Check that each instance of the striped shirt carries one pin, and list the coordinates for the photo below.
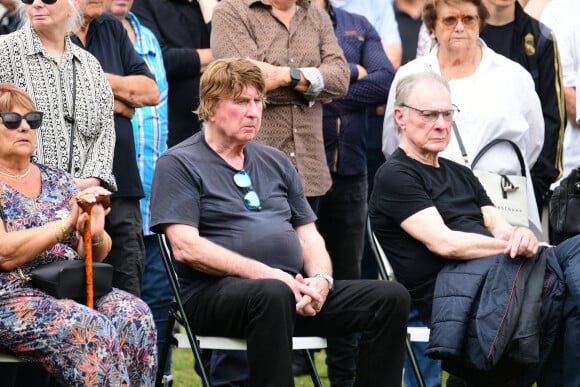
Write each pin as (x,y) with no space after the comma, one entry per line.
(26,64)
(150,122)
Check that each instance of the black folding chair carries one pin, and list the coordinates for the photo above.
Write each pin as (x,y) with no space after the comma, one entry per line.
(197,343)
(386,273)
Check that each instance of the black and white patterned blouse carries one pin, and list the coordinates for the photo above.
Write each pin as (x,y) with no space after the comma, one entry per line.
(28,65)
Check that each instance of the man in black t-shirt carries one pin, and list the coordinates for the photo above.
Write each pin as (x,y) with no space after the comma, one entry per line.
(133,86)
(426,210)
(432,216)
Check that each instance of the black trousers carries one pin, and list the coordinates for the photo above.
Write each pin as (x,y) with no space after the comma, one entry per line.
(264,312)
(127,254)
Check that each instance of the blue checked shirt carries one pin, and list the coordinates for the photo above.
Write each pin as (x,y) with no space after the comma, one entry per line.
(150,122)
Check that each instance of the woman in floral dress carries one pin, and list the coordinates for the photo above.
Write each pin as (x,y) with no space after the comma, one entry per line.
(111,345)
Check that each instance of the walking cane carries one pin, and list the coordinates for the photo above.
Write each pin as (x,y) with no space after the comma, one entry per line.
(105,201)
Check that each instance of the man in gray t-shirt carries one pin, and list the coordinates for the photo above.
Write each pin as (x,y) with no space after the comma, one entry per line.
(250,260)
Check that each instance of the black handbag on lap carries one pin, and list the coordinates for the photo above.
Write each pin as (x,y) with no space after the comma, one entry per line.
(67,279)
(565,205)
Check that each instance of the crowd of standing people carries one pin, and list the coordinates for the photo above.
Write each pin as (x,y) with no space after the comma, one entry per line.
(175,108)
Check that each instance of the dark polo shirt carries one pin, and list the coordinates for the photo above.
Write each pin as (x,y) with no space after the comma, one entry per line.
(108,41)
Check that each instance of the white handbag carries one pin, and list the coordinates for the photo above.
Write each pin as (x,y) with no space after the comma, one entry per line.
(508,193)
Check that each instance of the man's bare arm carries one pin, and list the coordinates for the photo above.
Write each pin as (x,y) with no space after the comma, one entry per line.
(203,255)
(428,227)
(134,90)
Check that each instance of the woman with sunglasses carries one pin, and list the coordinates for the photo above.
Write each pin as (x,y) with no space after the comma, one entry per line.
(69,86)
(113,344)
(495,95)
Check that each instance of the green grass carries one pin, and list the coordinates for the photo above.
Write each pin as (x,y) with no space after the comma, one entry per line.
(185,376)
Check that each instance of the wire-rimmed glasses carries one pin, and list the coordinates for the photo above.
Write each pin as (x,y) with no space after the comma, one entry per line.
(432,115)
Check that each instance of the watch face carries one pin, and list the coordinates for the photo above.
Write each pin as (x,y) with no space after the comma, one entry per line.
(294,72)
(295,76)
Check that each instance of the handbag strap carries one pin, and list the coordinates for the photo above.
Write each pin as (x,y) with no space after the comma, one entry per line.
(460,142)
(495,142)
(71,119)
(486,148)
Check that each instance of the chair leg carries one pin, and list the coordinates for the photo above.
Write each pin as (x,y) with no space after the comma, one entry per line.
(169,340)
(414,363)
(312,368)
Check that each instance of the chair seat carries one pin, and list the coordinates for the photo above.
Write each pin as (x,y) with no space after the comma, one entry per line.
(419,334)
(9,358)
(228,343)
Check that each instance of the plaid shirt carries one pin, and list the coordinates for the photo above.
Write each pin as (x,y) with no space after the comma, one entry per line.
(150,122)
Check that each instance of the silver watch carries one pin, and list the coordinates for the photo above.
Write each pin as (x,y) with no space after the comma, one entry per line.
(328,279)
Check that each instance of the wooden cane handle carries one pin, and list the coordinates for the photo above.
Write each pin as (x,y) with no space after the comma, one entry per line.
(105,201)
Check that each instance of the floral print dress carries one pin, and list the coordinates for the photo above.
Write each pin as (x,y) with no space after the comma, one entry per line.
(111,345)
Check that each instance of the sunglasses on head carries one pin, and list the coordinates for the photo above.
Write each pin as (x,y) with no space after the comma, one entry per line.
(28,2)
(12,120)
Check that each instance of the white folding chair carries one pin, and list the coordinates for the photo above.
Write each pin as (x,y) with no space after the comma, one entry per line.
(197,343)
(9,358)
(414,334)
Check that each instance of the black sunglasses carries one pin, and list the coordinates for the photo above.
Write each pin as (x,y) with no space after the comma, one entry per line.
(28,2)
(12,120)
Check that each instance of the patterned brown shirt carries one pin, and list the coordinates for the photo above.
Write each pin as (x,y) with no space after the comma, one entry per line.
(292,122)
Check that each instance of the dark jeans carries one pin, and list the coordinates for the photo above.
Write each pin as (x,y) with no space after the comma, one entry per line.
(156,292)
(341,222)
(264,312)
(430,368)
(127,254)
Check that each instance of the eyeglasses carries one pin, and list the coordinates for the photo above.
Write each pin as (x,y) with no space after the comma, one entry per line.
(251,199)
(28,2)
(466,20)
(432,115)
(12,120)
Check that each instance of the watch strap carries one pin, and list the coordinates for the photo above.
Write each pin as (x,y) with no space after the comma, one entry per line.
(328,279)
(295,76)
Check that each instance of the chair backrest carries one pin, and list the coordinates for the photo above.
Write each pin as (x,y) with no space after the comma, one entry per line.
(385,269)
(177,313)
(386,272)
(167,257)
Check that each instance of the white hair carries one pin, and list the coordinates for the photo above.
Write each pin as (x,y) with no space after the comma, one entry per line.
(73,22)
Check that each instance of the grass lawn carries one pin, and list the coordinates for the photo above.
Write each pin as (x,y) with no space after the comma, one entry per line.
(185,376)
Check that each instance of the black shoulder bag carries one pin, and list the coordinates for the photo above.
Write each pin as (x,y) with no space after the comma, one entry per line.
(565,205)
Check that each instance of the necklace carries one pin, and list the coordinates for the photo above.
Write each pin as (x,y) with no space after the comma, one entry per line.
(18,177)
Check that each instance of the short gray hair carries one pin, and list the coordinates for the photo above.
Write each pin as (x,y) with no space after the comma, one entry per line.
(406,85)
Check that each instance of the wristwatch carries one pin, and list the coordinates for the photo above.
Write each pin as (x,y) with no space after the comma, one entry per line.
(295,76)
(328,279)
